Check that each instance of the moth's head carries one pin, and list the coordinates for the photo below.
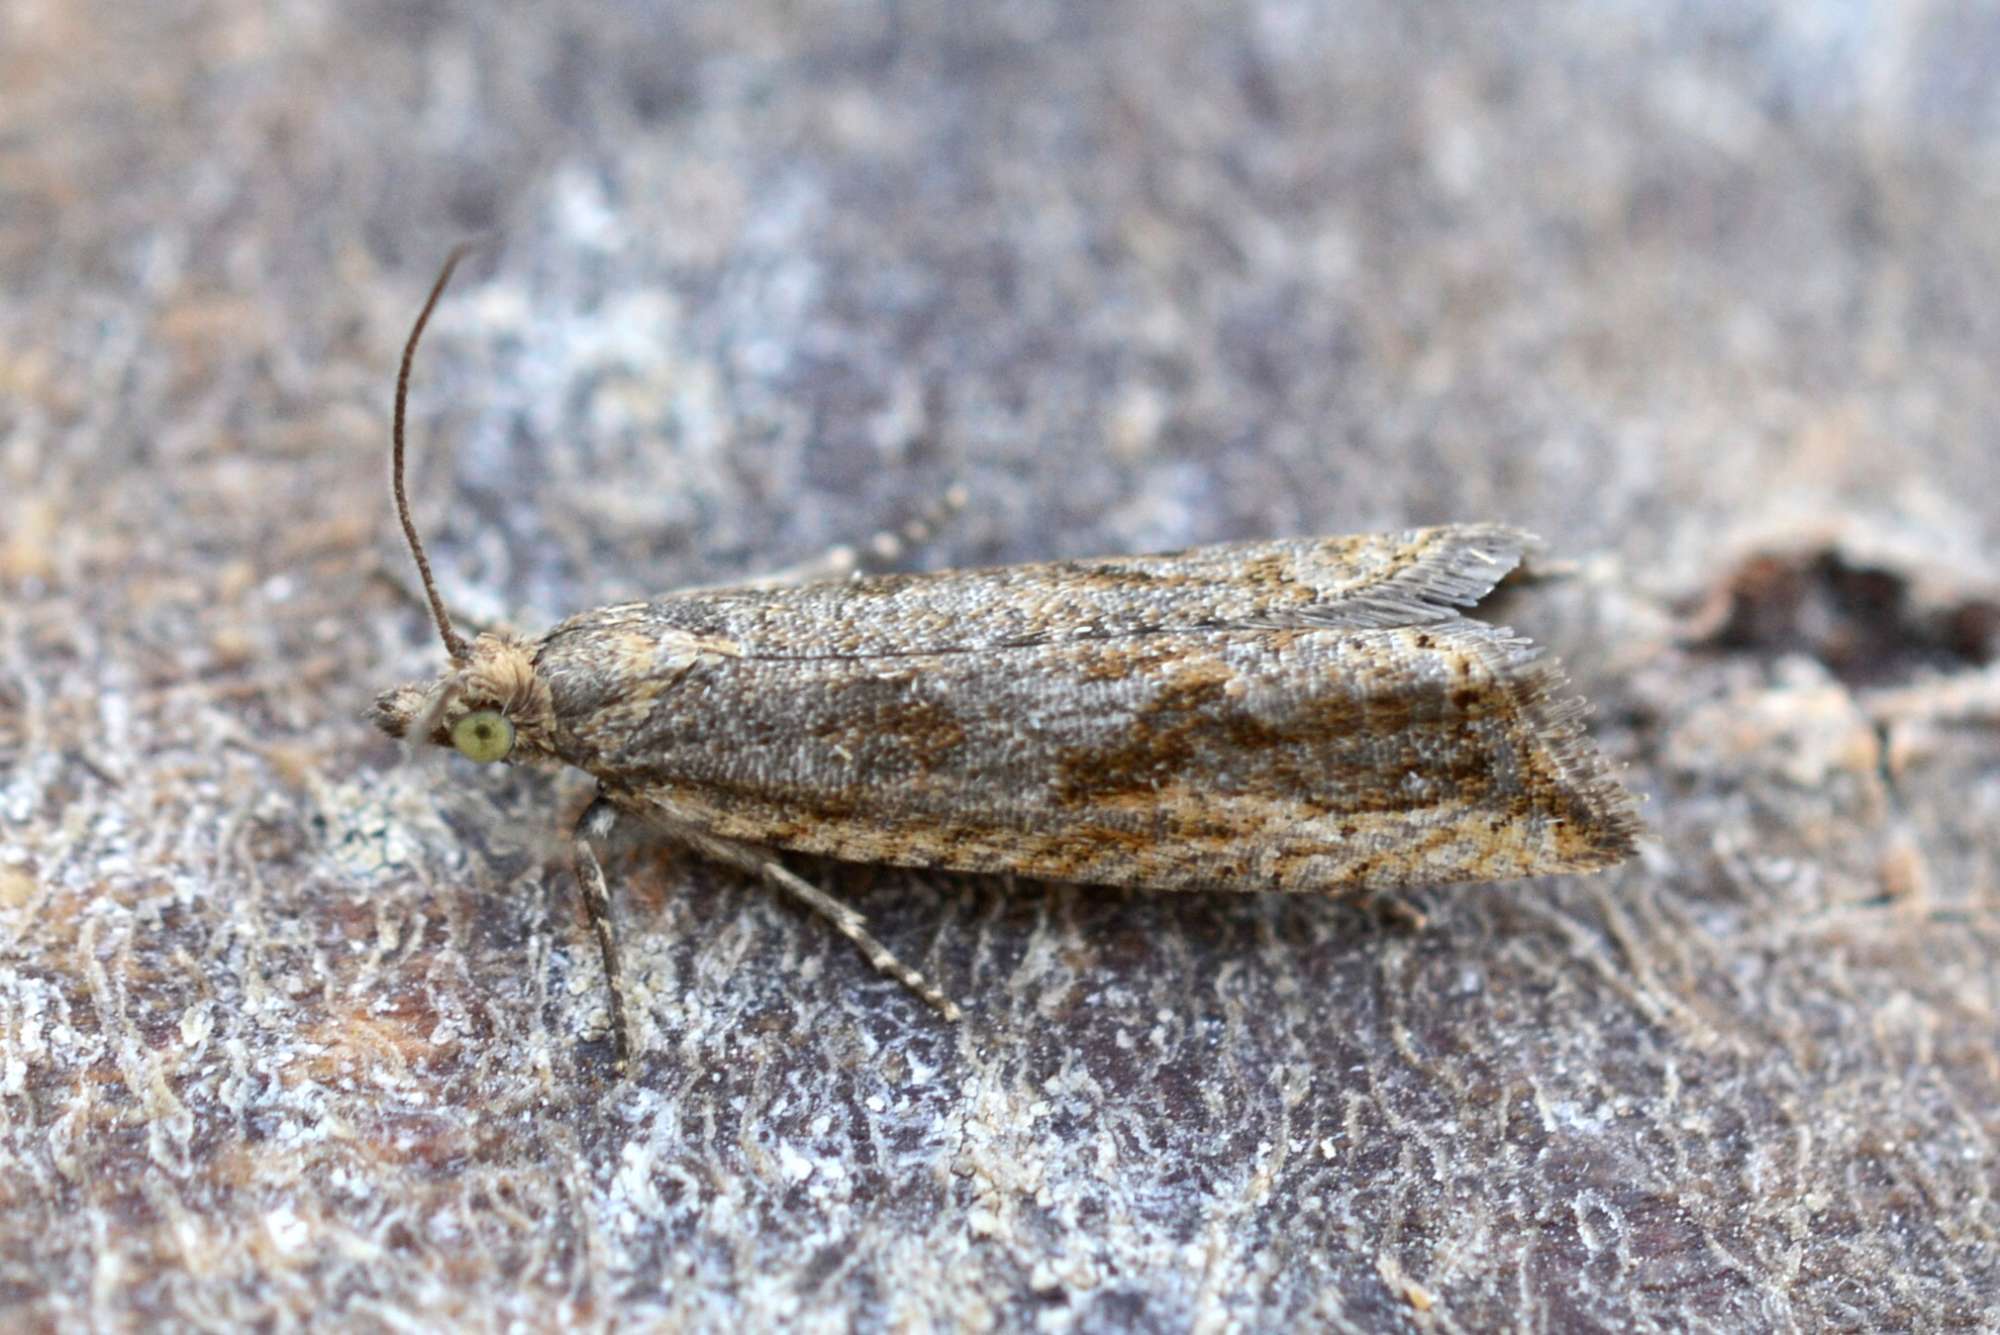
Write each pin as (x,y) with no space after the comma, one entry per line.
(491,705)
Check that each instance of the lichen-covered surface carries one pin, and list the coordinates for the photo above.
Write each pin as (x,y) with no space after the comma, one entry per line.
(297,1028)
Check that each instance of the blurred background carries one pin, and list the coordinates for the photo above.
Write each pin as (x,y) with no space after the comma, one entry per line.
(297,1028)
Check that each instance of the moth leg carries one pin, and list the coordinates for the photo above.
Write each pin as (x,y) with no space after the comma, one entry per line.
(882,551)
(848,922)
(891,545)
(595,825)
(1392,910)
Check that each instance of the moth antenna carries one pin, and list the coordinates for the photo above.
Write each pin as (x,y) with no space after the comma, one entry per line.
(454,643)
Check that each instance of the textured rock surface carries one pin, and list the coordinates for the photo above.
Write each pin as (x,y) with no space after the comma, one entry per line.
(297,1027)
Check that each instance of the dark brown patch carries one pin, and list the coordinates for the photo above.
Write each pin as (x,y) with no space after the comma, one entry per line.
(1162,741)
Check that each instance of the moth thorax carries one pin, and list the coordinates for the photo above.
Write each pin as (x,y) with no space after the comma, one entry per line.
(499,673)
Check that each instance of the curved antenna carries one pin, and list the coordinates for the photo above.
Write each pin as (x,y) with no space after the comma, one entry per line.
(454,643)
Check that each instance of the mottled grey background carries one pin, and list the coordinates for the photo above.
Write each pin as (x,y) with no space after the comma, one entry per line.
(301,1030)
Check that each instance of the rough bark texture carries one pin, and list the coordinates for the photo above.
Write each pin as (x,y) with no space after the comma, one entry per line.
(299,1029)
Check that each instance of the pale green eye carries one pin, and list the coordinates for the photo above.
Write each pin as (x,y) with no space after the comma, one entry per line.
(486,736)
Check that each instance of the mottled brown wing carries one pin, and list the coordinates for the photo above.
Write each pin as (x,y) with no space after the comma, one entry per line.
(1293,757)
(1392,579)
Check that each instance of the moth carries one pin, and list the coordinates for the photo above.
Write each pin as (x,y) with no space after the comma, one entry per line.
(1313,715)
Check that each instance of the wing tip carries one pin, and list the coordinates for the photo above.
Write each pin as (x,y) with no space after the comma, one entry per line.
(1454,566)
(1603,816)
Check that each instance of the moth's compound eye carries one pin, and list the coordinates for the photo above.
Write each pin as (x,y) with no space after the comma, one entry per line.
(486,736)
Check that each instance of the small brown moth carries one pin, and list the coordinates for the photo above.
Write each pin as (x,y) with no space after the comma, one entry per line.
(1305,715)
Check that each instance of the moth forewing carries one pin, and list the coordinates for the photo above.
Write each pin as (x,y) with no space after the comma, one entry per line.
(1323,751)
(1302,715)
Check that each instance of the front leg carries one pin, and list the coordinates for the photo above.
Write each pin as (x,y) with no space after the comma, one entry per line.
(595,825)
